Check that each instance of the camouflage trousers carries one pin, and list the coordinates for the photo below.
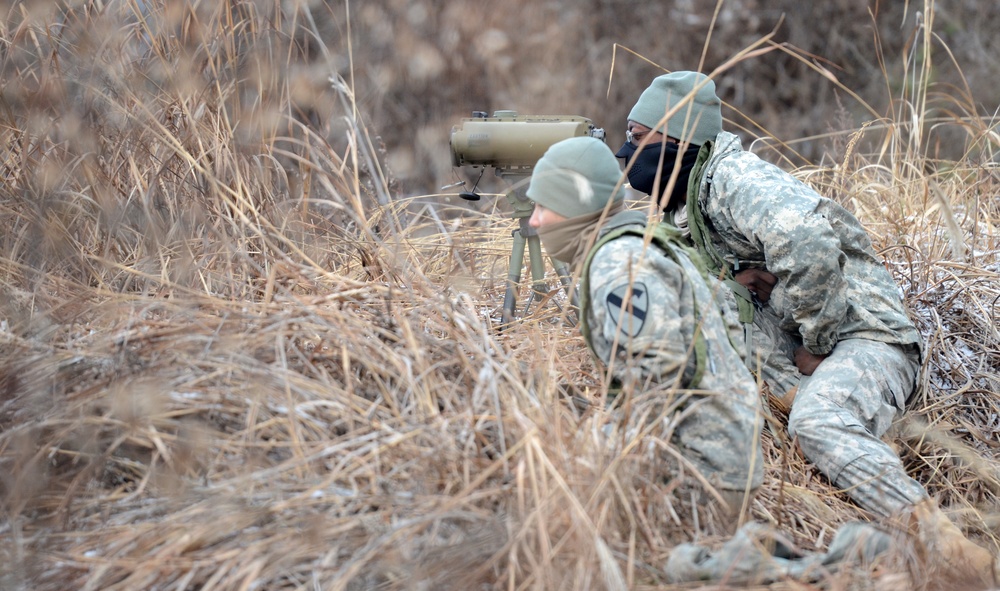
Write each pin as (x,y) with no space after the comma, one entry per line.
(840,413)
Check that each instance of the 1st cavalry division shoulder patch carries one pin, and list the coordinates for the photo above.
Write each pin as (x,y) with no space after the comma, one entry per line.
(629,316)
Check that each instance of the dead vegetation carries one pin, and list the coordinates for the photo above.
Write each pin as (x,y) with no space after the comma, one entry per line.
(234,356)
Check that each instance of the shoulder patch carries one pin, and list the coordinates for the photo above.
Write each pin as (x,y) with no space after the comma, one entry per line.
(629,315)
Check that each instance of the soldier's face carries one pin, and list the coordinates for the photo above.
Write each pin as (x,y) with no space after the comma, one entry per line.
(542,217)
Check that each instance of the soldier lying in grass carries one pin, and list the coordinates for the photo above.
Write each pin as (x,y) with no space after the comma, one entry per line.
(651,315)
(814,287)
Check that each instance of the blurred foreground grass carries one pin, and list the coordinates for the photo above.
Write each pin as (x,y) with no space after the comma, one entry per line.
(234,357)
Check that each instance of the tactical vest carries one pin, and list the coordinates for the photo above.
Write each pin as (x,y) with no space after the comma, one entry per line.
(717,265)
(669,240)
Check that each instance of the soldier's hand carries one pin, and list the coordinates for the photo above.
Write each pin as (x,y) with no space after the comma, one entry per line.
(806,361)
(758,281)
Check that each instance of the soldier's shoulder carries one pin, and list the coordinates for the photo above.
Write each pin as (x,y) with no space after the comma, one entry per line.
(620,248)
(632,261)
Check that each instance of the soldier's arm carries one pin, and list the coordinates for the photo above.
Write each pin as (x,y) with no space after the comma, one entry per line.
(638,304)
(801,248)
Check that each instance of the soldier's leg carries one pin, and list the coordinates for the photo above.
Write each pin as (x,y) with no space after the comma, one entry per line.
(840,414)
(719,432)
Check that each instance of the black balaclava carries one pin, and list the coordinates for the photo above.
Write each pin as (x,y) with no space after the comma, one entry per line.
(642,174)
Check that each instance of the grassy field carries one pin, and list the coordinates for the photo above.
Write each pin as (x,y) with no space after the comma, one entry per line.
(235,354)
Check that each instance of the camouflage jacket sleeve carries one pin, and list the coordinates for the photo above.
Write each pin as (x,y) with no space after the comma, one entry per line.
(771,212)
(641,316)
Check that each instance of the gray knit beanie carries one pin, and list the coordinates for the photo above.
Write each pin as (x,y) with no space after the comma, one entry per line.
(697,121)
(576,177)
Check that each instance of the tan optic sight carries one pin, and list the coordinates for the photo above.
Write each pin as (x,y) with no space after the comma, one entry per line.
(510,141)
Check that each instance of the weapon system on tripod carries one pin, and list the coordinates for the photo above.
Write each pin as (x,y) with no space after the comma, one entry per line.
(512,144)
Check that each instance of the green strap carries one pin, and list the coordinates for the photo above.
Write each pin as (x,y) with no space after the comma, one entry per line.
(667,238)
(700,236)
(744,300)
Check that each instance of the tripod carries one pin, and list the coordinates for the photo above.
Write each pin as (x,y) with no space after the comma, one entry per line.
(526,237)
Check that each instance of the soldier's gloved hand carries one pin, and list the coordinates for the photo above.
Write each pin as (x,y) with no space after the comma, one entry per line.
(806,361)
(758,281)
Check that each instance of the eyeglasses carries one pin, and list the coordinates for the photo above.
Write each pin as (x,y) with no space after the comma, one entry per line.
(631,138)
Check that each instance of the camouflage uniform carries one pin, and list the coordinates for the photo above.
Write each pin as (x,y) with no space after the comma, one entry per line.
(648,345)
(834,297)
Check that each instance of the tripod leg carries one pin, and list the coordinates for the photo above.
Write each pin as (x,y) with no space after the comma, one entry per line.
(513,278)
(566,279)
(538,287)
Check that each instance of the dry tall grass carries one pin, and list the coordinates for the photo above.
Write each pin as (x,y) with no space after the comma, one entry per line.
(233,357)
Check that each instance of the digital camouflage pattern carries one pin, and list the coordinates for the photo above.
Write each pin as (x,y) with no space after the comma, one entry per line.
(834,297)
(831,285)
(641,314)
(842,410)
(758,554)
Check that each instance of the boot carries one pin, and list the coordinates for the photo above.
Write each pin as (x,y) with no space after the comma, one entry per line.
(952,561)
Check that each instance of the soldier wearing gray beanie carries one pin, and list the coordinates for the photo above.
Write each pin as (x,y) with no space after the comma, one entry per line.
(576,183)
(695,119)
(807,278)
(576,177)
(643,308)
(698,120)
